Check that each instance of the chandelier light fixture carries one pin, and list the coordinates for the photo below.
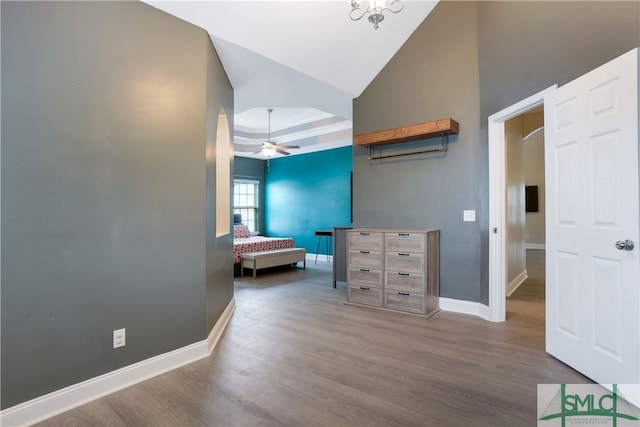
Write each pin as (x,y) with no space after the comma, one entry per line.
(374,9)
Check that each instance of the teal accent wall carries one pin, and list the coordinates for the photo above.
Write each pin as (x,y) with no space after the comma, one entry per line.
(306,193)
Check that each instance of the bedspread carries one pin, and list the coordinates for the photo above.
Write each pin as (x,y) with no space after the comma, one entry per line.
(259,244)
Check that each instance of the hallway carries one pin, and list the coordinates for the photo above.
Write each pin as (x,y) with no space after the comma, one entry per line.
(528,300)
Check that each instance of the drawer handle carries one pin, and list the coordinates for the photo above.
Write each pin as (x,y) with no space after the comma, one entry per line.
(364,234)
(365,252)
(364,269)
(403,234)
(403,254)
(404,274)
(367,289)
(403,294)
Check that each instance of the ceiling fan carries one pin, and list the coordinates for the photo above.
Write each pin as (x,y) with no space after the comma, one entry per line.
(269,148)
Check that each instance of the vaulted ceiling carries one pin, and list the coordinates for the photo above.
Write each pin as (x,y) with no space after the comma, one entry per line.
(305,59)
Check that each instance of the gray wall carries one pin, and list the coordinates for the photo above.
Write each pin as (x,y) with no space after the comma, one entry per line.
(104,110)
(244,167)
(467,61)
(433,76)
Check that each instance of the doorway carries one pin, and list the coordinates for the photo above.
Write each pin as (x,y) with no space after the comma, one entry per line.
(498,232)
(525,232)
(591,158)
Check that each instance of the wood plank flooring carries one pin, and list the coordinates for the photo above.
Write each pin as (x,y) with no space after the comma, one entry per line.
(295,355)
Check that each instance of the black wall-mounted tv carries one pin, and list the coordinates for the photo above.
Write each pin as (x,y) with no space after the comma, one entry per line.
(531,198)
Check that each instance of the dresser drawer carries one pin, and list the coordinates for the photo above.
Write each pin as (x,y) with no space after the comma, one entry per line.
(365,258)
(406,282)
(405,261)
(365,240)
(405,301)
(364,276)
(404,242)
(365,295)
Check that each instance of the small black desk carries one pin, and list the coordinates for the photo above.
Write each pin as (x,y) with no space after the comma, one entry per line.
(323,233)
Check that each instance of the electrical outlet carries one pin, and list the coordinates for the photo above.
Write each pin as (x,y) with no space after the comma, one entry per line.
(119,338)
(469,216)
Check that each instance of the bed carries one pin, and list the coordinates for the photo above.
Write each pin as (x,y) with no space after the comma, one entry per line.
(244,242)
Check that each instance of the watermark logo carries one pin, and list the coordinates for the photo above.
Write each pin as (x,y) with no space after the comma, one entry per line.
(584,404)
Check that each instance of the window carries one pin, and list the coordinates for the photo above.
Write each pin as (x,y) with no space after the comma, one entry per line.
(245,202)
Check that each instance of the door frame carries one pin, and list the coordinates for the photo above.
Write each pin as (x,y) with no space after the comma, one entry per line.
(497,201)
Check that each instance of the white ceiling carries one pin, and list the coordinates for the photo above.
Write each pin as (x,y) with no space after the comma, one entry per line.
(305,59)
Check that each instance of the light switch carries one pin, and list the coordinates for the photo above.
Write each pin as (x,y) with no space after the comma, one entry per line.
(469,216)
(119,338)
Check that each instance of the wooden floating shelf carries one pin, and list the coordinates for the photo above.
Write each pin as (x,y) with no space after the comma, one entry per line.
(426,130)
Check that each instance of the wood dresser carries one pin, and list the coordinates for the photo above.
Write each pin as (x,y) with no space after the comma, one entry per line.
(394,269)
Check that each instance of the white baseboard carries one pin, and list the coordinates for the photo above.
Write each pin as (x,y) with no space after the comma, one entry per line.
(321,257)
(465,307)
(220,326)
(59,401)
(516,282)
(535,246)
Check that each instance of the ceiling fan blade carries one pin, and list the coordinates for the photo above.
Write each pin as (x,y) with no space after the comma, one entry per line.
(281,151)
(288,146)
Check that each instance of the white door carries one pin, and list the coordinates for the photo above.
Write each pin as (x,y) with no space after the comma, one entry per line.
(592,286)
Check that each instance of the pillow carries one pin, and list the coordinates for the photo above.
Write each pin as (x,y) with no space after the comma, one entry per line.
(240,231)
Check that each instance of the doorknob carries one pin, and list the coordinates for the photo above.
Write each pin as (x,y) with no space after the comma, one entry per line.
(626,245)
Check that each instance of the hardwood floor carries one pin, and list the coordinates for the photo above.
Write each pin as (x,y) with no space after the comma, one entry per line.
(295,355)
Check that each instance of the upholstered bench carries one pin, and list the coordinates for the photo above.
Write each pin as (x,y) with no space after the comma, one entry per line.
(276,257)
